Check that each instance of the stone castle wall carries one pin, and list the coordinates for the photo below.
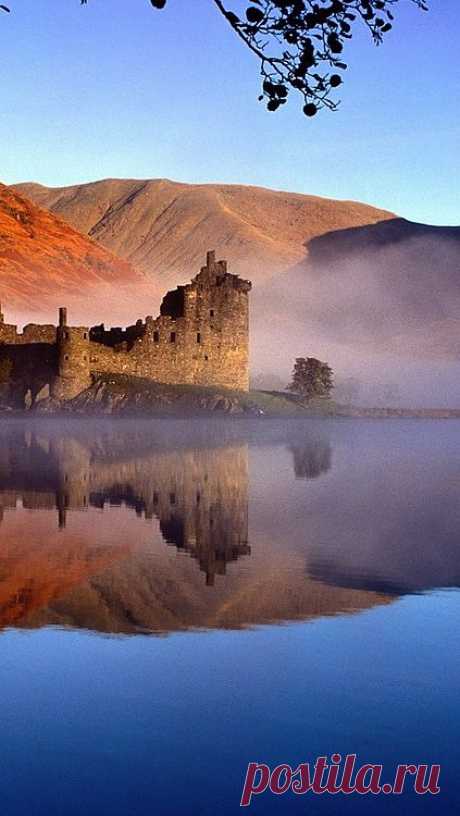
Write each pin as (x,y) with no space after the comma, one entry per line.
(200,338)
(32,333)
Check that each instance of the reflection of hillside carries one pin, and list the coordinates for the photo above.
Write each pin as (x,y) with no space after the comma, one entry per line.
(102,573)
(110,571)
(37,566)
(392,524)
(150,593)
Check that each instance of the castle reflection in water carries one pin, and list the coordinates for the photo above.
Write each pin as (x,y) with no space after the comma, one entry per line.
(84,508)
(266,521)
(199,496)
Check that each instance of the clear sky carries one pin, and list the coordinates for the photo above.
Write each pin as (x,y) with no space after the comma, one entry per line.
(117,89)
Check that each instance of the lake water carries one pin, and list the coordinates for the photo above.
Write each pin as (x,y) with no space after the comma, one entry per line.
(178,599)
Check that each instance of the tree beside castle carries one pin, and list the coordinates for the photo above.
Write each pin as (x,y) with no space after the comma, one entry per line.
(311,378)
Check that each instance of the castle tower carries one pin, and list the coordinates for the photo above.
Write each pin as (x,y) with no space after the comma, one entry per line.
(217,308)
(73,487)
(73,347)
(211,328)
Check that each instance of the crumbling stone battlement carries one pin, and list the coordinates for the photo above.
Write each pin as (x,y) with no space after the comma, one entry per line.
(200,338)
(32,333)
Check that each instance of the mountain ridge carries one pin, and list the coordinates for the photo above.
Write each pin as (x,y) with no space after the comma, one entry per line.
(164,227)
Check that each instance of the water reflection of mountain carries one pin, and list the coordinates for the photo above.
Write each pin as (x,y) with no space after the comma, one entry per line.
(390,518)
(123,527)
(110,571)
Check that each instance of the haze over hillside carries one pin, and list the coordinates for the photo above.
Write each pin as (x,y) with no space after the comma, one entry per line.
(381,302)
(45,263)
(165,228)
(124,561)
(375,295)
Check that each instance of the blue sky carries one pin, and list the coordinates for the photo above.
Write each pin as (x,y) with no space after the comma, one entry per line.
(118,89)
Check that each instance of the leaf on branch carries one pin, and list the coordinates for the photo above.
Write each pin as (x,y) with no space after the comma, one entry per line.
(299,41)
(254,15)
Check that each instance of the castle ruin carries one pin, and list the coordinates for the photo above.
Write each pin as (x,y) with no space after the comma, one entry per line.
(201,337)
(198,494)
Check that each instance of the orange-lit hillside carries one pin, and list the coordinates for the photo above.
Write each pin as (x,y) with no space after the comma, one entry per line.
(44,263)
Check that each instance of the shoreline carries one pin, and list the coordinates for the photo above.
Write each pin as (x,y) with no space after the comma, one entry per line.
(123,395)
(352,413)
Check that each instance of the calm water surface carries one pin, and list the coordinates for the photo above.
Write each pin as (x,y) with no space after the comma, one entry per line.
(179,599)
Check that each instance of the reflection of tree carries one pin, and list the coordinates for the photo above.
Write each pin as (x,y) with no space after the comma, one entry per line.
(312,458)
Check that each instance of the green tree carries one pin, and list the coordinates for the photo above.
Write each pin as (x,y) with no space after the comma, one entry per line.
(311,378)
(300,43)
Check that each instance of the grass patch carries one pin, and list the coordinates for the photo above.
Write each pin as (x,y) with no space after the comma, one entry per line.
(190,399)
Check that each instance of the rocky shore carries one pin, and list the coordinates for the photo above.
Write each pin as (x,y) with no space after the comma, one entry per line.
(123,395)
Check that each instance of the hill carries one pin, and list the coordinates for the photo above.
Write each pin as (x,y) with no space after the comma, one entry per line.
(165,228)
(376,295)
(381,303)
(45,263)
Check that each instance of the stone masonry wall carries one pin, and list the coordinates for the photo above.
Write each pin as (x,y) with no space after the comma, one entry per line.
(201,337)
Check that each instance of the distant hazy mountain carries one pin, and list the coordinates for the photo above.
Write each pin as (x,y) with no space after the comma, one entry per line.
(45,263)
(165,228)
(381,302)
(375,295)
(387,287)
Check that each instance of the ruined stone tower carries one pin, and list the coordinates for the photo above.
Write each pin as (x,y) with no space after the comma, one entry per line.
(203,329)
(201,337)
(73,352)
